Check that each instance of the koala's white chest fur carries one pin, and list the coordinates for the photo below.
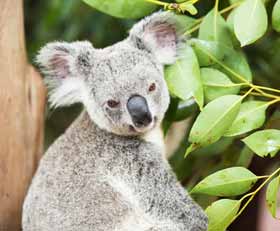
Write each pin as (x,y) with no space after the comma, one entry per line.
(138,220)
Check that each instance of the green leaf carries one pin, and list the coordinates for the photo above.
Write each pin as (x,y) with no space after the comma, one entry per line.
(245,157)
(186,6)
(216,84)
(230,23)
(215,29)
(250,117)
(214,149)
(250,21)
(185,22)
(123,8)
(234,1)
(170,114)
(185,109)
(203,47)
(230,20)
(220,214)
(235,60)
(276,16)
(183,77)
(271,195)
(227,182)
(264,142)
(214,120)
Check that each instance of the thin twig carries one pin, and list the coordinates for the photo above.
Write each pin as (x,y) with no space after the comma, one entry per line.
(252,194)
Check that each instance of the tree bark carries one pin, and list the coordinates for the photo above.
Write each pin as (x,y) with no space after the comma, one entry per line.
(22,100)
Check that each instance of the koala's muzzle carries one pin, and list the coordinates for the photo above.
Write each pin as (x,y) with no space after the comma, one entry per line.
(139,111)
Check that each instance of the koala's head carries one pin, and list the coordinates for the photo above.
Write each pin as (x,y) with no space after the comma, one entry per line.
(122,86)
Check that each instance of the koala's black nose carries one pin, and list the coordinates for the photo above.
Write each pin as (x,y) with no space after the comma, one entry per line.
(139,111)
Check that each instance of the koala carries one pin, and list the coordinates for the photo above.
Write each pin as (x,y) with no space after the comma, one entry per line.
(107,172)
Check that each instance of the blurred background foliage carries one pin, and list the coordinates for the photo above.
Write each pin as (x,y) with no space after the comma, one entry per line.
(71,20)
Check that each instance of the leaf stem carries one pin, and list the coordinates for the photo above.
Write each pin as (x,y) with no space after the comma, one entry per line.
(247,93)
(262,177)
(229,8)
(256,88)
(191,148)
(272,102)
(268,89)
(228,85)
(172,6)
(198,21)
(216,11)
(252,194)
(193,29)
(240,77)
(253,93)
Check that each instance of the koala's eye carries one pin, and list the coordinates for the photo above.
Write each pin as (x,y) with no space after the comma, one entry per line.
(113,103)
(152,87)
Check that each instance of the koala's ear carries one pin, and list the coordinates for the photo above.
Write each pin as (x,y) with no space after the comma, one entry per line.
(65,66)
(159,34)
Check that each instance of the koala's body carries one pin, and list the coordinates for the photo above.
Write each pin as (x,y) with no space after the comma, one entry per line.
(103,173)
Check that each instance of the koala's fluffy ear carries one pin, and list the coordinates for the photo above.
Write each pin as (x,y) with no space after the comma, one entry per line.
(159,34)
(65,66)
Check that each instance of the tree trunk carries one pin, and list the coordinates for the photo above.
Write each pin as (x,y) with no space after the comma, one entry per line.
(22,102)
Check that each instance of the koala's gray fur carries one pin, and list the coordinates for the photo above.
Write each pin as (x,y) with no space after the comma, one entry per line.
(103,174)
